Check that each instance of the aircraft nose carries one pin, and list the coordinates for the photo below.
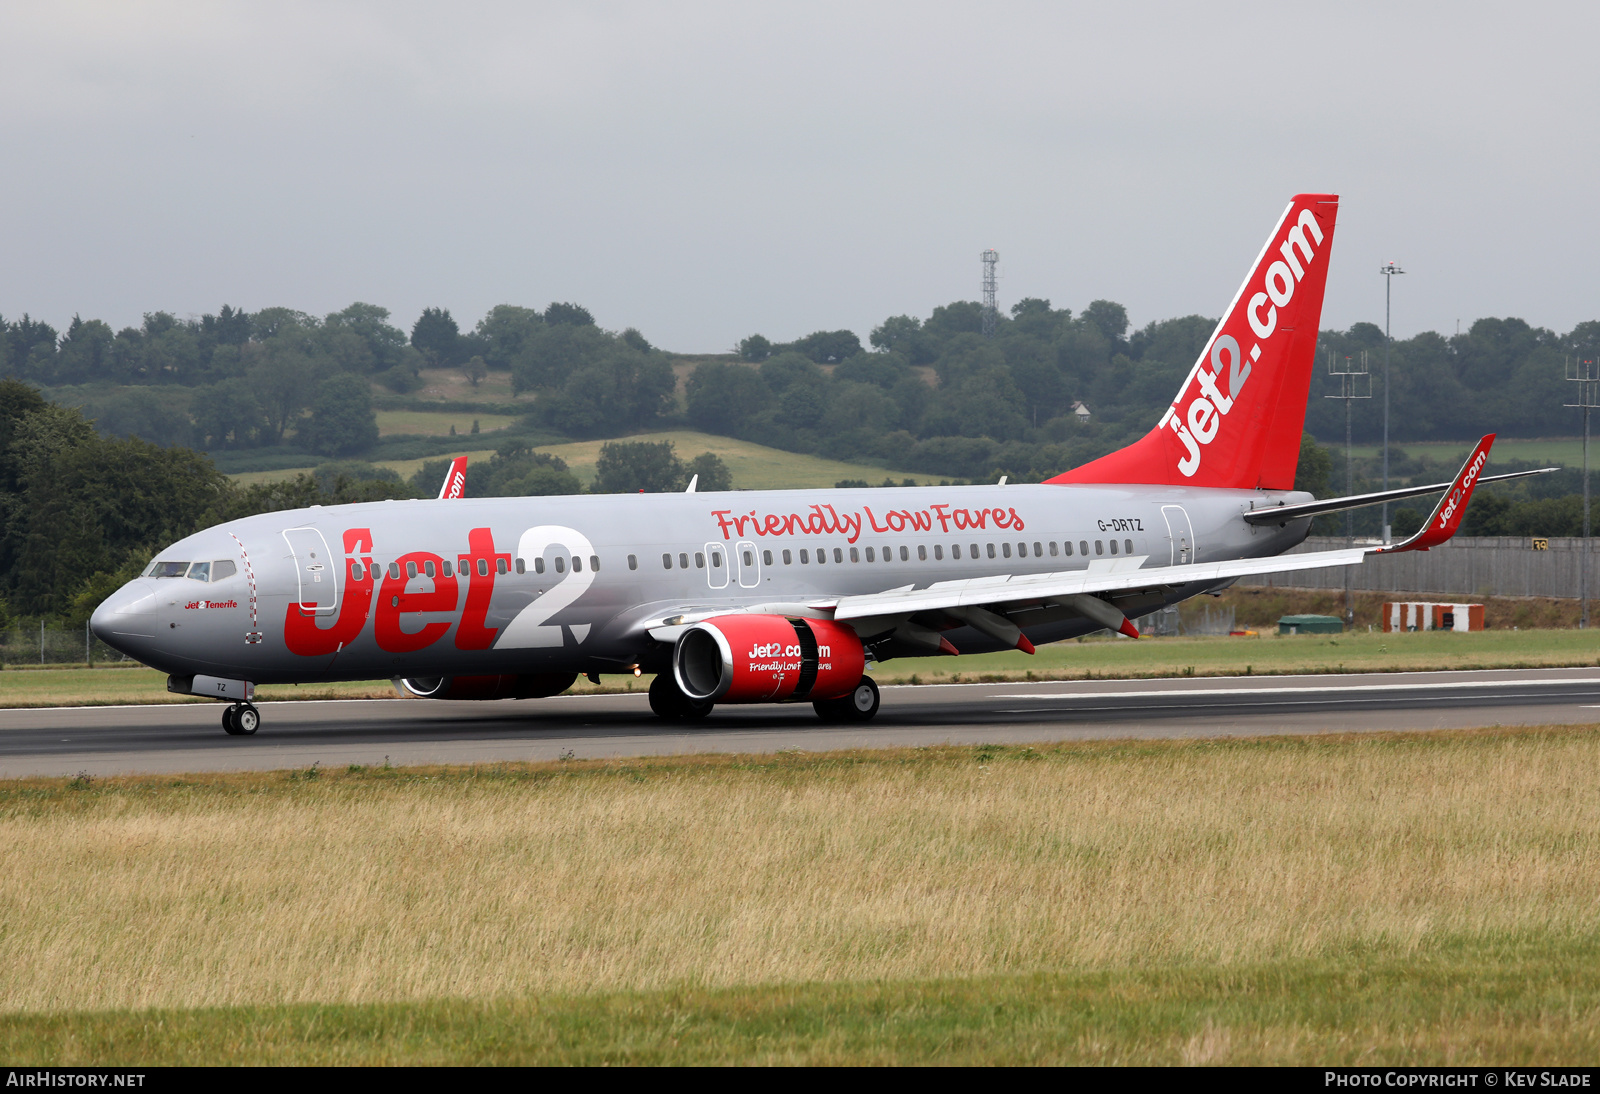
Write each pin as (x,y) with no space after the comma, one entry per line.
(128,613)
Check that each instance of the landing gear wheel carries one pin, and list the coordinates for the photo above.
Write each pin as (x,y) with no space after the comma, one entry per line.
(859,706)
(669,701)
(241,720)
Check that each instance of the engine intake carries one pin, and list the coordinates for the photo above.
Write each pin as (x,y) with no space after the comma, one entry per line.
(527,686)
(767,659)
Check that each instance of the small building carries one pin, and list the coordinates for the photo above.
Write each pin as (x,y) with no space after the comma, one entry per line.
(1310,624)
(1423,615)
(1080,411)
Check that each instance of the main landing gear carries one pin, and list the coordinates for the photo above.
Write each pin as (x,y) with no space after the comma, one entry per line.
(669,701)
(241,720)
(859,706)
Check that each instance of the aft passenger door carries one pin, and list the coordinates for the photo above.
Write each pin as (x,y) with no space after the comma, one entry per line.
(316,569)
(1181,534)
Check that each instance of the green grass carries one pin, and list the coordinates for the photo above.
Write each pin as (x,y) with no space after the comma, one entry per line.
(1482,1002)
(437,423)
(1554,451)
(1268,654)
(754,466)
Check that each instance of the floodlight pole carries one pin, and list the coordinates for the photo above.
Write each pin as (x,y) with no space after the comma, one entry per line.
(1388,270)
(1582,371)
(1354,383)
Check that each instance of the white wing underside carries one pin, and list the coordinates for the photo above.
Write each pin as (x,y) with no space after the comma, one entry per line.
(1102,576)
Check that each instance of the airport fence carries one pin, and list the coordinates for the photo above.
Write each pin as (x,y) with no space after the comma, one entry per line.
(55,646)
(1465,566)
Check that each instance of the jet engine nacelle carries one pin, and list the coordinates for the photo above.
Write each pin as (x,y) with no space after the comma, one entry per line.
(528,686)
(767,659)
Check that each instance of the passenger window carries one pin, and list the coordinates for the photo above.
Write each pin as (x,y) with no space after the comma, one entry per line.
(561,565)
(1005,549)
(905,555)
(411,570)
(538,564)
(522,567)
(1099,547)
(838,554)
(699,560)
(1127,546)
(938,552)
(577,564)
(500,566)
(716,559)
(356,570)
(394,571)
(822,555)
(465,567)
(1113,546)
(955,550)
(594,564)
(666,562)
(974,547)
(223,569)
(633,562)
(1067,546)
(766,558)
(1038,549)
(1083,547)
(447,571)
(427,568)
(1054,549)
(855,555)
(483,567)
(788,559)
(805,556)
(991,550)
(749,558)
(870,556)
(922,552)
(683,560)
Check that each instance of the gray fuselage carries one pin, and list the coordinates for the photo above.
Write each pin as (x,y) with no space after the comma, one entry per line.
(571,584)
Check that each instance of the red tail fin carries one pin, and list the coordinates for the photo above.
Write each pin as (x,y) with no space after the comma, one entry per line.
(455,479)
(1238,417)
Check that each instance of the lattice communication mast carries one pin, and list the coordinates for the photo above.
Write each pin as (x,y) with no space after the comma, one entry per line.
(991,310)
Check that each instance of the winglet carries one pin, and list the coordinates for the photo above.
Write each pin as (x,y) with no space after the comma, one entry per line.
(455,479)
(1446,518)
(694,482)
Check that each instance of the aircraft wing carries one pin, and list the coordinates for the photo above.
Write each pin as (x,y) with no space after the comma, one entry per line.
(1102,576)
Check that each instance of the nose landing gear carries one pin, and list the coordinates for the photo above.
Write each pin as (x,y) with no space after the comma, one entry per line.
(241,720)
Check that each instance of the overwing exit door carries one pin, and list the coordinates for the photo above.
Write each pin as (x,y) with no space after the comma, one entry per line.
(1180,533)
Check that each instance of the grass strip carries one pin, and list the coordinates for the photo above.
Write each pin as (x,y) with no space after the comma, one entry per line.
(1523,1002)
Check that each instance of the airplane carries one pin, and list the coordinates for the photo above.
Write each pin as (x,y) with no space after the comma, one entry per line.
(775,596)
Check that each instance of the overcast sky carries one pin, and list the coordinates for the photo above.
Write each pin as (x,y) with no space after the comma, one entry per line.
(704,171)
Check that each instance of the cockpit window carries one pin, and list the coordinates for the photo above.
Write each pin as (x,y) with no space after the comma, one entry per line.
(200,571)
(167,569)
(223,568)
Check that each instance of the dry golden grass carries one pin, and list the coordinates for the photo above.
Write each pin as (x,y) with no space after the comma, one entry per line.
(374,886)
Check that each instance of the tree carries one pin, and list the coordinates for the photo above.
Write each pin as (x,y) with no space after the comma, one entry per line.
(283,375)
(713,473)
(437,337)
(475,370)
(342,421)
(228,415)
(1106,317)
(572,315)
(825,346)
(620,391)
(628,467)
(755,348)
(504,332)
(726,398)
(1315,466)
(636,340)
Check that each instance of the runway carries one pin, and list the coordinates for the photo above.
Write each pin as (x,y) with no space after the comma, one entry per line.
(166,739)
